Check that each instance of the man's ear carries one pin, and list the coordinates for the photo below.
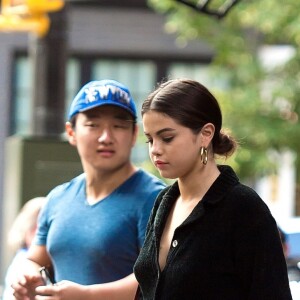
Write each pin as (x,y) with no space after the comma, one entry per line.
(70,134)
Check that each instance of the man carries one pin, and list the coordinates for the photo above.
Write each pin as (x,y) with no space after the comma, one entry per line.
(91,228)
(293,266)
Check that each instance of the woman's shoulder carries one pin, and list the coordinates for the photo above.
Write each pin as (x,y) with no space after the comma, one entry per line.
(244,194)
(247,205)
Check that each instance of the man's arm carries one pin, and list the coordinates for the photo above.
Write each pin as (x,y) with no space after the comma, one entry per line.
(122,289)
(38,254)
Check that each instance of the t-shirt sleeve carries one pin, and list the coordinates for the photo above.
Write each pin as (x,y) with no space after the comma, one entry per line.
(43,227)
(44,218)
(144,214)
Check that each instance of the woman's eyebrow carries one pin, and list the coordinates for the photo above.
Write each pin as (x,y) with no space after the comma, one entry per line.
(164,130)
(159,132)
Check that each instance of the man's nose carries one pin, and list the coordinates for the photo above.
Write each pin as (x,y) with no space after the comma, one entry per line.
(105,136)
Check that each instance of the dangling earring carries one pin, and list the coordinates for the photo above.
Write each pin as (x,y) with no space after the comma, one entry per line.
(203,155)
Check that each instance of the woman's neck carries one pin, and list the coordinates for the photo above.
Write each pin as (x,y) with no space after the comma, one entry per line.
(195,185)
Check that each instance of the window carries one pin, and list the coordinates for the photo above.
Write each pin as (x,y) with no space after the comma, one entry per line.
(22,104)
(196,71)
(140,78)
(72,82)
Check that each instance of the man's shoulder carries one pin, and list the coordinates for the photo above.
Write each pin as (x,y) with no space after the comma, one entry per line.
(143,186)
(149,178)
(74,184)
(148,183)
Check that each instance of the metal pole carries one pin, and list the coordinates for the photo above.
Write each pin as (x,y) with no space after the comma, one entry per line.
(48,55)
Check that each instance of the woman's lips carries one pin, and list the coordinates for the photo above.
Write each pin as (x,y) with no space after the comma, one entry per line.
(160,164)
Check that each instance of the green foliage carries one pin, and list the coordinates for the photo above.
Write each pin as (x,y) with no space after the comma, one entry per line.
(261,106)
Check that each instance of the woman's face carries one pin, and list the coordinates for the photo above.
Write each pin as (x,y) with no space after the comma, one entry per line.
(173,148)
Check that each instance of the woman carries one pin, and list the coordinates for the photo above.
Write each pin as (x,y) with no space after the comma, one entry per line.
(209,237)
(20,237)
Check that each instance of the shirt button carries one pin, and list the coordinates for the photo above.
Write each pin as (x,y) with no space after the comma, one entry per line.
(174,243)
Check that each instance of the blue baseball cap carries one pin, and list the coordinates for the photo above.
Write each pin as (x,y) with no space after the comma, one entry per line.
(103,92)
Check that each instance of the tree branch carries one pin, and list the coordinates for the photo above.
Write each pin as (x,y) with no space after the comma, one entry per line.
(203,7)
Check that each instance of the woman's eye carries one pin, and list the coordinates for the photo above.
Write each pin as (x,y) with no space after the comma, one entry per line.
(165,140)
(168,139)
(149,141)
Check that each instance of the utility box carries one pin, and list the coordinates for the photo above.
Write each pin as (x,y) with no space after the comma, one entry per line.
(33,167)
(36,165)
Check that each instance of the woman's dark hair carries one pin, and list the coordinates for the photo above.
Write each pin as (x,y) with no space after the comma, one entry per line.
(191,105)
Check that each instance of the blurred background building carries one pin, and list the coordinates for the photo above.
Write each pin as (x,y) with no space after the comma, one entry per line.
(88,40)
(92,40)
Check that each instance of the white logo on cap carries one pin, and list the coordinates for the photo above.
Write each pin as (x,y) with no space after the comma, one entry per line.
(93,93)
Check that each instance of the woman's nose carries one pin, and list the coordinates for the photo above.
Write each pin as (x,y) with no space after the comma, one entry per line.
(155,149)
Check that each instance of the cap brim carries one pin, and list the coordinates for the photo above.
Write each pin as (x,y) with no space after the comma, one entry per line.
(111,103)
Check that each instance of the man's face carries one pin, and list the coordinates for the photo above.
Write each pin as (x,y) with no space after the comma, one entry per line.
(104,137)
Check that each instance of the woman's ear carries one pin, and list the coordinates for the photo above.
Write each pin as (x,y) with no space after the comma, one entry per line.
(207,133)
(70,134)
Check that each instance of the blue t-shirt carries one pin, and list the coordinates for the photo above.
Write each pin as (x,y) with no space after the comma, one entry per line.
(96,243)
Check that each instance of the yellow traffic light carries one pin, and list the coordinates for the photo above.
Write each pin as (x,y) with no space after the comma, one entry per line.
(37,24)
(28,15)
(42,6)
(30,7)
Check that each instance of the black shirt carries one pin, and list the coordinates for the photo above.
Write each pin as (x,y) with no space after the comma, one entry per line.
(227,249)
